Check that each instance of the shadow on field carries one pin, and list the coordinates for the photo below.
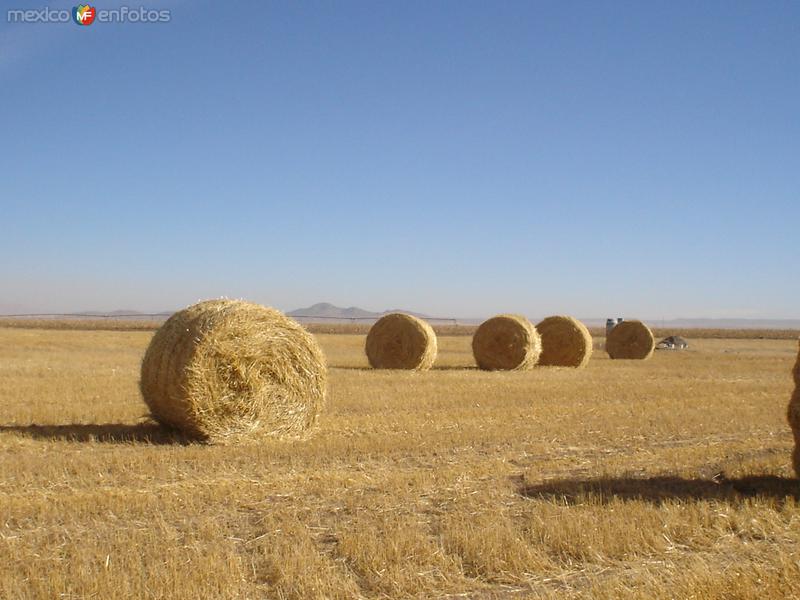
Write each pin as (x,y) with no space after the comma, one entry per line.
(445,368)
(660,489)
(150,433)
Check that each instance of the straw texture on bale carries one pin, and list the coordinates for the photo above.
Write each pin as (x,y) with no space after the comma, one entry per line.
(226,370)
(566,342)
(401,341)
(630,339)
(506,342)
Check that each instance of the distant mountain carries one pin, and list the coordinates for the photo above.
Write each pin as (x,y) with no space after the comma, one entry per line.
(330,312)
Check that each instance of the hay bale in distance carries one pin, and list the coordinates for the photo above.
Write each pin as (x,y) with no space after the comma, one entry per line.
(630,339)
(225,370)
(401,341)
(566,342)
(506,342)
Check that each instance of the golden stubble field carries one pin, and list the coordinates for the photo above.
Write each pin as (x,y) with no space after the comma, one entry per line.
(661,479)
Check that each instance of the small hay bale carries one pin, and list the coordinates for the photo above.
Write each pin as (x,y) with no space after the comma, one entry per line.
(631,339)
(401,341)
(226,370)
(566,342)
(506,342)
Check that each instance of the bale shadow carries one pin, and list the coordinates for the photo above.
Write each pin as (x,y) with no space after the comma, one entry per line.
(660,489)
(112,433)
(367,368)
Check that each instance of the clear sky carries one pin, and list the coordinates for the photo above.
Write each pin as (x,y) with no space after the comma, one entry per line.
(456,158)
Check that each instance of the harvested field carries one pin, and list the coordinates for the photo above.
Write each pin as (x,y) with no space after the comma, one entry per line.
(655,479)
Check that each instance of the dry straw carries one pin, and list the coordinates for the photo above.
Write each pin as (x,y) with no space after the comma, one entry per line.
(401,341)
(630,339)
(506,342)
(225,370)
(566,342)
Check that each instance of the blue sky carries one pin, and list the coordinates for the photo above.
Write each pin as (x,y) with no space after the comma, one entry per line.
(455,158)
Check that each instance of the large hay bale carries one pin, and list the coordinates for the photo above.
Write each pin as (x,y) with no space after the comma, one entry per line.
(506,342)
(401,341)
(224,370)
(630,339)
(566,342)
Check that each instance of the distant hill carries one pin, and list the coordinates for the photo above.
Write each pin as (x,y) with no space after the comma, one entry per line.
(330,312)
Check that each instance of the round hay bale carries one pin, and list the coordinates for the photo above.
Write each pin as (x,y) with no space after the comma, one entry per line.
(566,342)
(630,339)
(506,342)
(225,370)
(401,341)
